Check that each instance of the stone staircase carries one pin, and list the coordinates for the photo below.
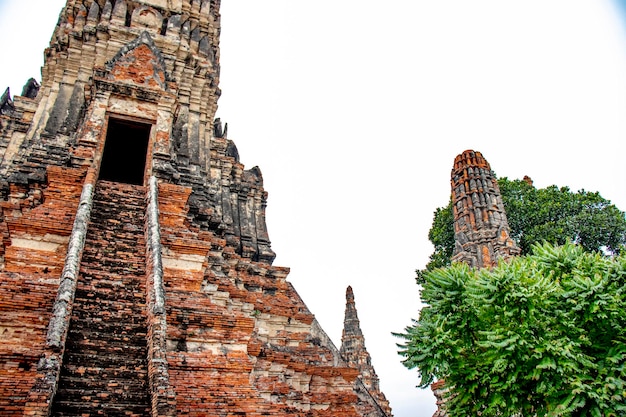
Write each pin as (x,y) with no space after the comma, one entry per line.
(105,364)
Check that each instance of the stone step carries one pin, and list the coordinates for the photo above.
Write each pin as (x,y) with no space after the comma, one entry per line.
(135,326)
(116,273)
(95,338)
(110,211)
(105,322)
(106,380)
(127,300)
(99,408)
(106,343)
(120,359)
(121,238)
(125,313)
(124,309)
(112,204)
(124,263)
(113,390)
(111,290)
(117,252)
(116,367)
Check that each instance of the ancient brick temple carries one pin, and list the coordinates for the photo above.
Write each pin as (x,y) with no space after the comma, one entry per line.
(136,271)
(481,230)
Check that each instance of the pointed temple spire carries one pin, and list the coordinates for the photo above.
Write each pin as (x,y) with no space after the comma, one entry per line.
(352,341)
(353,351)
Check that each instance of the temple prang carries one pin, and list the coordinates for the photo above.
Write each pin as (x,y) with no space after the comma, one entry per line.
(481,230)
(136,273)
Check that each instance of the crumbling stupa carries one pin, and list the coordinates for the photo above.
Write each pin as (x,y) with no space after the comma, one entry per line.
(481,230)
(136,271)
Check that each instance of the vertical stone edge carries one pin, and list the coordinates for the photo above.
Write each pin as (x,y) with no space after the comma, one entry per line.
(163,397)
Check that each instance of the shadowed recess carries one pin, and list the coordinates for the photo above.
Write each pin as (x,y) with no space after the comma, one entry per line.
(124,158)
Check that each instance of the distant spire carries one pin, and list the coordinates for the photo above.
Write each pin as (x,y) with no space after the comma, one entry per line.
(353,348)
(354,353)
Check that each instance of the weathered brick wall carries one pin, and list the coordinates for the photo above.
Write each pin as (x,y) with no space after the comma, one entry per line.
(25,305)
(37,221)
(240,339)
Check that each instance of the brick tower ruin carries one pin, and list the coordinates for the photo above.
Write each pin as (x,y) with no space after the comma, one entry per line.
(136,271)
(481,230)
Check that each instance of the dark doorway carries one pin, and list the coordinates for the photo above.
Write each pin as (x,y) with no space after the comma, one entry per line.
(125,150)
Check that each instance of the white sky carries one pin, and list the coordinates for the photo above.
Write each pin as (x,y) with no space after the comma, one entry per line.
(354,110)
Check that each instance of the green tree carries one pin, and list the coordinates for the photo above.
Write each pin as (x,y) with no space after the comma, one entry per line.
(542,335)
(557,215)
(441,235)
(552,214)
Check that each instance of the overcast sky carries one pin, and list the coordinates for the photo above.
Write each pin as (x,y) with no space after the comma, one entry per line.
(355,110)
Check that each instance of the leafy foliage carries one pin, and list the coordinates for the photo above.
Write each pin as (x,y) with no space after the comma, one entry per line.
(552,214)
(441,235)
(542,335)
(557,215)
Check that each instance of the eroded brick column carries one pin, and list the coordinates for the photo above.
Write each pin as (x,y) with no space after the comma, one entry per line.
(481,230)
